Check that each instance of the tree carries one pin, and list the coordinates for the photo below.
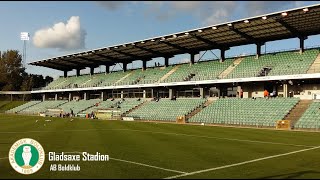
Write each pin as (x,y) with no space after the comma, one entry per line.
(11,70)
(13,76)
(27,83)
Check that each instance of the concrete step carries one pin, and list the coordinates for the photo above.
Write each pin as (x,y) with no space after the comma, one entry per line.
(227,71)
(315,67)
(137,107)
(297,111)
(60,83)
(194,112)
(124,77)
(169,73)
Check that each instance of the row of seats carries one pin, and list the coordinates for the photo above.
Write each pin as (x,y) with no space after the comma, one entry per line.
(201,71)
(232,111)
(100,105)
(258,112)
(128,104)
(23,106)
(282,63)
(165,109)
(311,117)
(150,75)
(77,106)
(42,107)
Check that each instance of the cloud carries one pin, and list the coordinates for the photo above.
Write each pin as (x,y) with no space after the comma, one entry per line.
(263,7)
(111,5)
(217,12)
(186,5)
(207,12)
(69,36)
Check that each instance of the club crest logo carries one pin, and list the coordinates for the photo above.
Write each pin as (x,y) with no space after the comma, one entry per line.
(26,156)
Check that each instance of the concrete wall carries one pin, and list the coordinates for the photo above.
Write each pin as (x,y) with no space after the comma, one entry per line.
(257,90)
(309,91)
(252,90)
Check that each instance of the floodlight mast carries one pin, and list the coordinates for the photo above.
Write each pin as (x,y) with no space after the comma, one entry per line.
(24,37)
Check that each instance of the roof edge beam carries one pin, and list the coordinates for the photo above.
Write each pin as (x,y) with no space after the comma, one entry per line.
(108,57)
(127,54)
(57,66)
(90,60)
(70,62)
(291,29)
(244,35)
(87,61)
(150,50)
(207,41)
(176,46)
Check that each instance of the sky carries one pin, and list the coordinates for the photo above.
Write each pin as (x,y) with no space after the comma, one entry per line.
(58,28)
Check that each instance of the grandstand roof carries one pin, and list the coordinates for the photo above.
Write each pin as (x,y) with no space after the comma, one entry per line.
(298,22)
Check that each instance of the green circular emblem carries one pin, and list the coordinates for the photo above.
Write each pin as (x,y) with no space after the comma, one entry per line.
(26,156)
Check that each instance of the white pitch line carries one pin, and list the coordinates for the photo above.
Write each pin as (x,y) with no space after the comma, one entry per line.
(137,163)
(200,136)
(229,139)
(132,162)
(141,164)
(241,163)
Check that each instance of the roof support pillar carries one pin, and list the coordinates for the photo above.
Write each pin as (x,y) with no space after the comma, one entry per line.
(78,72)
(302,43)
(259,49)
(166,61)
(124,66)
(91,71)
(144,65)
(65,74)
(85,95)
(222,55)
(192,55)
(107,69)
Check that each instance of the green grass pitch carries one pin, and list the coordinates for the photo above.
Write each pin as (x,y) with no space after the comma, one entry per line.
(160,150)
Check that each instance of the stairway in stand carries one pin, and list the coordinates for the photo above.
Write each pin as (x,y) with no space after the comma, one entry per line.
(169,73)
(198,109)
(227,71)
(137,107)
(297,111)
(124,77)
(315,67)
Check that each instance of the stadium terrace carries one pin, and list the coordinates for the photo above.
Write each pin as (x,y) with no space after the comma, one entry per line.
(280,88)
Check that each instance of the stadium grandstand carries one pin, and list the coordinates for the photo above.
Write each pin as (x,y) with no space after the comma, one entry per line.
(258,90)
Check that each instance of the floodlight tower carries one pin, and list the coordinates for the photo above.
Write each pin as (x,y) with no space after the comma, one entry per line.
(24,37)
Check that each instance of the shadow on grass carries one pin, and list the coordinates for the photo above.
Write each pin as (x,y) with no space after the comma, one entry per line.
(293,175)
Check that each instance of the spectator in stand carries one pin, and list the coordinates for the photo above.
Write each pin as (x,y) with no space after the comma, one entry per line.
(71,112)
(92,115)
(265,93)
